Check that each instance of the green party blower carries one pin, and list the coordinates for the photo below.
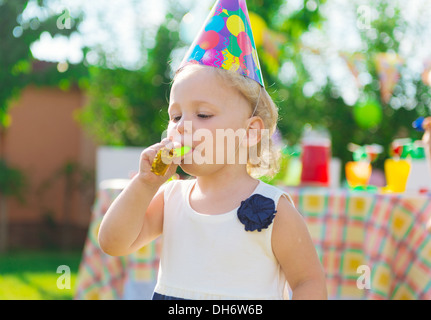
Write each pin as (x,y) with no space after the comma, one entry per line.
(164,157)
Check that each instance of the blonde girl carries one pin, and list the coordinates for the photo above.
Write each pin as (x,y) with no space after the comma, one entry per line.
(225,234)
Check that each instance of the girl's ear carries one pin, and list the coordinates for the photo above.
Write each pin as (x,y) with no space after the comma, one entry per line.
(254,131)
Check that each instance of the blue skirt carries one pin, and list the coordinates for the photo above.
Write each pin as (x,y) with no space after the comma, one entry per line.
(158,296)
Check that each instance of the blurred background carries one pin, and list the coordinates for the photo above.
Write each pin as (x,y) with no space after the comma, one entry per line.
(76,75)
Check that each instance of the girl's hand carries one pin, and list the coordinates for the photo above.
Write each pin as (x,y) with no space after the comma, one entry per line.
(145,174)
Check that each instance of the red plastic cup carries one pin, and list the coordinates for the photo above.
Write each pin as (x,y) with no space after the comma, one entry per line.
(316,155)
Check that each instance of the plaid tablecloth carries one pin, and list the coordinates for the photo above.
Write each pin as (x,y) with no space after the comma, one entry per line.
(384,235)
(103,277)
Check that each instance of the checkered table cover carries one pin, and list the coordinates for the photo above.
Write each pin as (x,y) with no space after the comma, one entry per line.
(102,277)
(385,233)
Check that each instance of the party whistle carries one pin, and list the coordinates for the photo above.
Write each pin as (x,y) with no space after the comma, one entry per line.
(418,124)
(164,157)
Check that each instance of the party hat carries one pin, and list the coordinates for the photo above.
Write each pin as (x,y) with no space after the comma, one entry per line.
(226,41)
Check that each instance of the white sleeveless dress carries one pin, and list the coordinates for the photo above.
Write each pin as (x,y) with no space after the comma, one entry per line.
(213,256)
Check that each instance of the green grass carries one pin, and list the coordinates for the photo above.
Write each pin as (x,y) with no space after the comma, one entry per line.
(33,275)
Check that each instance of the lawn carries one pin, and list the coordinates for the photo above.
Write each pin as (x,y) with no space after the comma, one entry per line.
(33,275)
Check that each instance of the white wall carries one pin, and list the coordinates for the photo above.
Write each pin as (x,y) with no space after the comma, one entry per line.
(116,163)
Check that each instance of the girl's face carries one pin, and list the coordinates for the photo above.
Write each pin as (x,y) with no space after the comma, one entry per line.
(200,104)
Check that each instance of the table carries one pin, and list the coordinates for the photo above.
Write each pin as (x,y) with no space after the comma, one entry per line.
(103,277)
(384,235)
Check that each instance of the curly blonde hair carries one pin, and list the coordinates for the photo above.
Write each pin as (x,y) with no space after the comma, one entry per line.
(261,105)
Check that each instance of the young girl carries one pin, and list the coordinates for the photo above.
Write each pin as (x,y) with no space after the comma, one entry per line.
(226,235)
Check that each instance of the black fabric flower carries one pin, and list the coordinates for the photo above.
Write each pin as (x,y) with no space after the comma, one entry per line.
(256,212)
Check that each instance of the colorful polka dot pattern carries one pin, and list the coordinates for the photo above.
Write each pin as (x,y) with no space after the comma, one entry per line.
(227,42)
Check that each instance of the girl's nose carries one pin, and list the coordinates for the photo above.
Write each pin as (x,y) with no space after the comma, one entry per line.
(183,131)
(184,126)
(180,126)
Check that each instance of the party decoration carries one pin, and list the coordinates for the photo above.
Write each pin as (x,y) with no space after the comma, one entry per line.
(273,42)
(259,28)
(418,124)
(397,173)
(315,157)
(226,41)
(401,148)
(407,148)
(358,172)
(164,157)
(368,152)
(397,169)
(417,150)
(388,67)
(354,62)
(373,151)
(368,114)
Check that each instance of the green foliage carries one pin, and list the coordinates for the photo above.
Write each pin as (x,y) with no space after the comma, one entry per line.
(130,107)
(384,35)
(12,181)
(32,275)
(327,108)
(18,69)
(16,60)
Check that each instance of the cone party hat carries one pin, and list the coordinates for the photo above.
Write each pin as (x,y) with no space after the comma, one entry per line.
(226,41)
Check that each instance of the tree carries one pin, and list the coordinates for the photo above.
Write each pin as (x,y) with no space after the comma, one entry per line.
(128,107)
(326,105)
(17,71)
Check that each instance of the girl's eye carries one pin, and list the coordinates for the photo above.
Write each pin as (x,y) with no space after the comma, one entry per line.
(204,116)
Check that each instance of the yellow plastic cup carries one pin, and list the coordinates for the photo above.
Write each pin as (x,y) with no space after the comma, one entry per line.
(396,173)
(358,173)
